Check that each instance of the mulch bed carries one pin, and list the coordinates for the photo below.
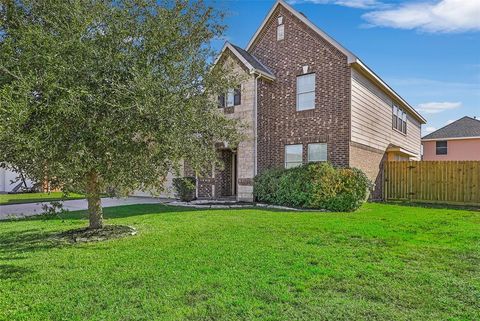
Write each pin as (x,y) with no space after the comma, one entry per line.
(85,235)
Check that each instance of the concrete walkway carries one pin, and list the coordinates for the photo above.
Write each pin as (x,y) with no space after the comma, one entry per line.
(30,209)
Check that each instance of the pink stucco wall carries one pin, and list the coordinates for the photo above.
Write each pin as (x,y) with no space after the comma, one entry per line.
(461,149)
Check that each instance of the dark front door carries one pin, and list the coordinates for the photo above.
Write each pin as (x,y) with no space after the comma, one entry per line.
(226,178)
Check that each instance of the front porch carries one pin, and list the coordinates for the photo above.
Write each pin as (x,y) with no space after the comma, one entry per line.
(232,182)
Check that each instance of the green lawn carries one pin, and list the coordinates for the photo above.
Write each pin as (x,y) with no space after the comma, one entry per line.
(385,262)
(34,197)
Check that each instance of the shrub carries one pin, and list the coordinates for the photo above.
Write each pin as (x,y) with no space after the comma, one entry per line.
(267,185)
(316,185)
(184,188)
(294,188)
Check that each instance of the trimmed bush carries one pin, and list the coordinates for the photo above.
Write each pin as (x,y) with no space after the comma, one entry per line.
(184,188)
(315,185)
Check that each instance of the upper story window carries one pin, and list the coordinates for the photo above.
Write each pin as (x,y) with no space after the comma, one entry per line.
(399,119)
(232,98)
(280,29)
(317,152)
(441,147)
(306,92)
(293,155)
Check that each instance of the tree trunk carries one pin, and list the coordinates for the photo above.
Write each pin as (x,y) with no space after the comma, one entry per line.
(95,214)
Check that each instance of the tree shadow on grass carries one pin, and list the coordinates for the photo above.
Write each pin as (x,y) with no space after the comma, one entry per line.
(473,208)
(8,271)
(19,242)
(17,245)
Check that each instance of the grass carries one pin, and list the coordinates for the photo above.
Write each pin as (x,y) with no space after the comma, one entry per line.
(384,262)
(22,198)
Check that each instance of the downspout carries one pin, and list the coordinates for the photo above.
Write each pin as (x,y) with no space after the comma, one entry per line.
(255,130)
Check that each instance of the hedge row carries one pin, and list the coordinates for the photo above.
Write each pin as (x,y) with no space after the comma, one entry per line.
(315,186)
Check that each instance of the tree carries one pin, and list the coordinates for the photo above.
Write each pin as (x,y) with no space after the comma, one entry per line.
(102,94)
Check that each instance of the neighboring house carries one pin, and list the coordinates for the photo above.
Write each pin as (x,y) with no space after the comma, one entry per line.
(458,141)
(305,98)
(9,179)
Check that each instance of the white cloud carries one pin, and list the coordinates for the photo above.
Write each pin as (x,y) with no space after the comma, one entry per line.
(435,108)
(361,4)
(429,130)
(449,121)
(439,16)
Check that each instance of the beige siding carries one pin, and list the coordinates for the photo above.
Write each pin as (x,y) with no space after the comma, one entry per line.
(372,119)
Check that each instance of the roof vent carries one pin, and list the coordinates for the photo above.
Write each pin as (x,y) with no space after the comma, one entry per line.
(302,14)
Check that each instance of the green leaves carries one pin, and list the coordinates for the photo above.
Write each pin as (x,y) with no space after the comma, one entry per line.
(315,185)
(123,88)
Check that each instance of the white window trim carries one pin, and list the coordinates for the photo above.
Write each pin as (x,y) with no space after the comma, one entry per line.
(306,92)
(285,156)
(230,93)
(402,119)
(442,148)
(317,160)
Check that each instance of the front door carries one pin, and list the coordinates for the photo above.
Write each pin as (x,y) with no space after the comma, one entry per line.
(226,178)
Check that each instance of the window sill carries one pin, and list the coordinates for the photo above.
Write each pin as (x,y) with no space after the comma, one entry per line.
(309,109)
(305,113)
(398,131)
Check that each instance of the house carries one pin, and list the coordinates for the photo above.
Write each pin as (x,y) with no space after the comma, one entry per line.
(10,179)
(306,98)
(458,141)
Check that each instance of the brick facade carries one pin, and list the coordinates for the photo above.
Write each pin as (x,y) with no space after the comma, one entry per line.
(352,114)
(218,182)
(279,123)
(370,161)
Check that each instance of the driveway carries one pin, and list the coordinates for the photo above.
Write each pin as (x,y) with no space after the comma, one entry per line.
(30,209)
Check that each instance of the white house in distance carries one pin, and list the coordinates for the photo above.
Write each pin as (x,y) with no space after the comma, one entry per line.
(6,179)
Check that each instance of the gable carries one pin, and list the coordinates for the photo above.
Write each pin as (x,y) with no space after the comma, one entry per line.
(279,5)
(244,59)
(353,61)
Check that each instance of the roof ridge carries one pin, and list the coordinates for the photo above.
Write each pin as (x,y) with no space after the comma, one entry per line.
(452,126)
(472,118)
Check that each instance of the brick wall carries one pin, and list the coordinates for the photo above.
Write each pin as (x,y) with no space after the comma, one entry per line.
(278,121)
(371,162)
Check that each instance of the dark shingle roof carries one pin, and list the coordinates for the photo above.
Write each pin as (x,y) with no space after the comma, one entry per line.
(253,61)
(464,127)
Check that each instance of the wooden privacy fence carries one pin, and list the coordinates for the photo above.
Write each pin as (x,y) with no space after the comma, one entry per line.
(455,182)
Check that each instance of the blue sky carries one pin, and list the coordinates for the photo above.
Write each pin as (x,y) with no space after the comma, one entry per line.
(427,50)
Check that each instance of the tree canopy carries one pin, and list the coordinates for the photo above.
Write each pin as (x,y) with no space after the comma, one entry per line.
(103,94)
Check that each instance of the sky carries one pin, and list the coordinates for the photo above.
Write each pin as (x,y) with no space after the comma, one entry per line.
(428,51)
